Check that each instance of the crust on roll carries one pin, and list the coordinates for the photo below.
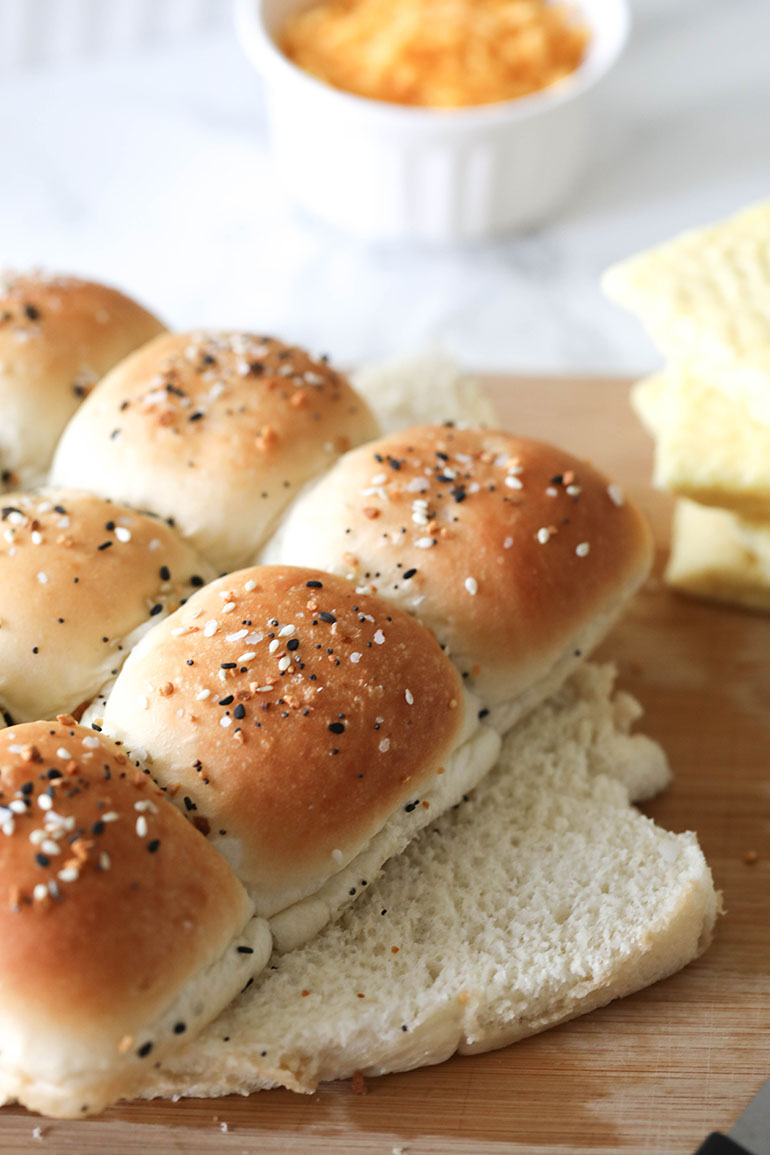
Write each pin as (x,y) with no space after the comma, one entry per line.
(58,336)
(122,933)
(289,717)
(515,553)
(215,430)
(79,579)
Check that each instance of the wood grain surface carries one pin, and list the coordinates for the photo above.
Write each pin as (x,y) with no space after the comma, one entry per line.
(651,1074)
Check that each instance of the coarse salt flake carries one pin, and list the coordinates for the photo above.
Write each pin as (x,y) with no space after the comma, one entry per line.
(379,637)
(122,534)
(225,720)
(42,578)
(355,657)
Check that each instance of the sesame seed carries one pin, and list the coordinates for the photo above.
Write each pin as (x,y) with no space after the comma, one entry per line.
(202,695)
(337,855)
(471,585)
(42,578)
(384,746)
(39,892)
(508,543)
(616,494)
(44,801)
(104,861)
(284,662)
(543,535)
(513,482)
(424,542)
(378,638)
(250,585)
(141,826)
(68,874)
(225,720)
(582,549)
(124,535)
(409,697)
(210,628)
(286,631)
(237,636)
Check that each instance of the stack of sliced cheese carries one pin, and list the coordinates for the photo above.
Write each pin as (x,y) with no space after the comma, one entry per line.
(705,300)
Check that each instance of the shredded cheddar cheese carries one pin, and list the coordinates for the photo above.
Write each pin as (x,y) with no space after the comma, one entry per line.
(436,53)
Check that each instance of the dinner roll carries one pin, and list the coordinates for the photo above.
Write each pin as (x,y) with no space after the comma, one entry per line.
(215,430)
(79,578)
(291,718)
(121,932)
(514,552)
(58,336)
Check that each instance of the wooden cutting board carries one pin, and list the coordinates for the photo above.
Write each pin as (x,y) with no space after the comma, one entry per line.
(651,1074)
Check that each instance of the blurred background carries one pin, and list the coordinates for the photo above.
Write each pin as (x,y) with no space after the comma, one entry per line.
(134,149)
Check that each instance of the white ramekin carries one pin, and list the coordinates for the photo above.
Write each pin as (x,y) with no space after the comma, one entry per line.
(386,172)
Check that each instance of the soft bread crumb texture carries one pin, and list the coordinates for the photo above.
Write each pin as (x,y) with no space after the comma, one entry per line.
(427,387)
(542,896)
(437,53)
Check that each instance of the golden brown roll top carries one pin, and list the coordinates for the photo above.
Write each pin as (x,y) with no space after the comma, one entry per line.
(79,577)
(216,430)
(120,927)
(289,716)
(512,551)
(58,336)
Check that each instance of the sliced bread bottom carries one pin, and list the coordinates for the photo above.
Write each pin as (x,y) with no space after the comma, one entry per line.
(542,896)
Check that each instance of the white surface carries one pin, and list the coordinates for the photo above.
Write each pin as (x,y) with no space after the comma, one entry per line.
(382,172)
(152,170)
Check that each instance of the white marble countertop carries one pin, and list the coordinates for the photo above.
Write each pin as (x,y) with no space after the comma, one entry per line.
(151,170)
